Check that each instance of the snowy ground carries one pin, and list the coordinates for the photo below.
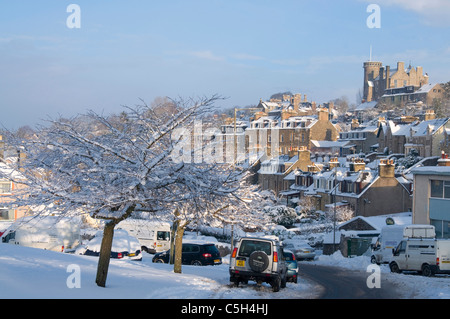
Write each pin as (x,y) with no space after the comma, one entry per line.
(34,273)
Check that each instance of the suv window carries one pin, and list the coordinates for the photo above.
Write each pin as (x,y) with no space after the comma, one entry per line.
(210,248)
(249,246)
(190,248)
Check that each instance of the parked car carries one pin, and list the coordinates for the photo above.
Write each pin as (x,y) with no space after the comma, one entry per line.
(197,254)
(292,266)
(260,260)
(55,233)
(124,246)
(301,250)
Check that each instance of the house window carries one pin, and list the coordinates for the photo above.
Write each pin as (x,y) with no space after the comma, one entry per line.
(5,188)
(6,214)
(440,189)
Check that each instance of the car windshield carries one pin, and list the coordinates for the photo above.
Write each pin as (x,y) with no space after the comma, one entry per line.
(249,246)
(289,256)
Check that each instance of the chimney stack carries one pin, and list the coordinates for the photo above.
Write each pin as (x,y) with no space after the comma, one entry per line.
(333,163)
(444,160)
(386,168)
(429,115)
(323,114)
(357,164)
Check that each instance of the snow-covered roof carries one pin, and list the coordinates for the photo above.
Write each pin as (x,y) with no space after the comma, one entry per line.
(422,128)
(426,88)
(396,129)
(432,170)
(378,222)
(327,144)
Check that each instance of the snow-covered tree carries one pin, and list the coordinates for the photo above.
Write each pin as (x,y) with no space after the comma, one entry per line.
(114,166)
(282,215)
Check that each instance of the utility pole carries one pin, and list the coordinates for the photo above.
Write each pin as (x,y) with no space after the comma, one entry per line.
(334,217)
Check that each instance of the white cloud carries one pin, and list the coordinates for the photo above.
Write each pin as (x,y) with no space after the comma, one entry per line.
(207,55)
(245,56)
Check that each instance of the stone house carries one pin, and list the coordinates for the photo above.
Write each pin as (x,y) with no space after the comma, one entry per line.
(361,138)
(426,137)
(273,171)
(392,137)
(410,94)
(372,193)
(283,132)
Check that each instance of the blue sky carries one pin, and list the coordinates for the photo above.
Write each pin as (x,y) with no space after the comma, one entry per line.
(244,50)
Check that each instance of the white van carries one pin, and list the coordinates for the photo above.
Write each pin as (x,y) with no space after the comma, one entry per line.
(389,238)
(45,232)
(154,236)
(426,256)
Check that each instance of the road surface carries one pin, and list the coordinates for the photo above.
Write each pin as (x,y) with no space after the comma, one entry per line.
(339,283)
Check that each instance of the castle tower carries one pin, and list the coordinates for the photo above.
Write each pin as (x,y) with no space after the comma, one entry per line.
(371,72)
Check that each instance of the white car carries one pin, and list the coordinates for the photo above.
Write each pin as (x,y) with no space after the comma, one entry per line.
(124,246)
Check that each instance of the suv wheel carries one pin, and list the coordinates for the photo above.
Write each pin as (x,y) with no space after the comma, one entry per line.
(196,263)
(234,281)
(283,282)
(258,261)
(276,284)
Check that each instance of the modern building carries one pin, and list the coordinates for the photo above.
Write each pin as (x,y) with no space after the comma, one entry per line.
(431,202)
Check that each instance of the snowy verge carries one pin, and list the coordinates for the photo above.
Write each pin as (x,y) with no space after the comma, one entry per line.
(30,273)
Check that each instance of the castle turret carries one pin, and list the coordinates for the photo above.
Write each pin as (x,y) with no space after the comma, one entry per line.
(371,71)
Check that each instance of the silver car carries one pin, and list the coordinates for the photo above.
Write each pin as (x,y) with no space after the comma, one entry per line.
(301,250)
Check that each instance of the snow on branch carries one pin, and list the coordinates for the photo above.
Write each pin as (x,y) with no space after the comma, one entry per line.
(110,165)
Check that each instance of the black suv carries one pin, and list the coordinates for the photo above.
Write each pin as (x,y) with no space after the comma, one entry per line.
(193,254)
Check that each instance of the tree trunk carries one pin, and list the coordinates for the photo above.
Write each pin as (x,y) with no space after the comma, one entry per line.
(105,248)
(105,254)
(172,237)
(178,249)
